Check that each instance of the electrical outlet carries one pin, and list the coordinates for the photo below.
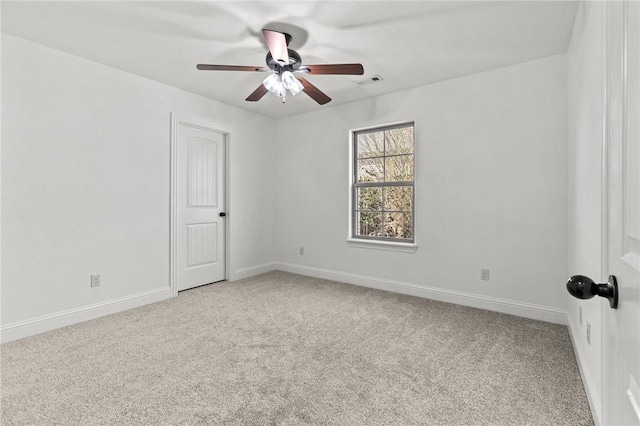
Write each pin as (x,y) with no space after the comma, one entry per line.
(484,274)
(95,280)
(580,315)
(301,251)
(588,333)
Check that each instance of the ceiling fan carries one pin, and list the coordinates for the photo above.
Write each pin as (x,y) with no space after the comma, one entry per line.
(284,62)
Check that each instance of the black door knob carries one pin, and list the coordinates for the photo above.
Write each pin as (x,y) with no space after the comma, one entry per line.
(222,214)
(585,288)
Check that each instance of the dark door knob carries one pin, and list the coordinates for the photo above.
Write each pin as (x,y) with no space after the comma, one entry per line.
(585,288)
(222,214)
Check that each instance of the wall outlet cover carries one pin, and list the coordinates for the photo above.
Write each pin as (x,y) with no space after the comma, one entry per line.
(484,274)
(95,280)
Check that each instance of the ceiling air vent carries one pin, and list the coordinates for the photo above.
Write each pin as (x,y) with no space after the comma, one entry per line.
(370,80)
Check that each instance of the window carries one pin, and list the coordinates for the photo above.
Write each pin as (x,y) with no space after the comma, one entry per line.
(382,187)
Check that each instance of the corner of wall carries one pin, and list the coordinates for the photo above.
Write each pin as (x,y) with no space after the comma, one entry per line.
(593,396)
(585,239)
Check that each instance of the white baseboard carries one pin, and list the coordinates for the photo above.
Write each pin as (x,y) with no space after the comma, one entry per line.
(542,313)
(30,327)
(253,270)
(21,329)
(590,389)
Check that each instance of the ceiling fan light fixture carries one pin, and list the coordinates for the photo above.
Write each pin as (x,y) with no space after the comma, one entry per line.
(278,84)
(290,82)
(284,62)
(273,84)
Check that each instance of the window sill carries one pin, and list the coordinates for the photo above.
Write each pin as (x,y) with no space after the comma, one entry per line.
(382,245)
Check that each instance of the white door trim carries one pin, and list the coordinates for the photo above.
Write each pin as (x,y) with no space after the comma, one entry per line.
(177,120)
(615,136)
(604,230)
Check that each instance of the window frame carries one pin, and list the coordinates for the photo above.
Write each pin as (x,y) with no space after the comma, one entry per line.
(391,243)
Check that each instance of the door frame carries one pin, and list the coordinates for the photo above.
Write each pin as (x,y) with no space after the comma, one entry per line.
(604,214)
(608,363)
(177,120)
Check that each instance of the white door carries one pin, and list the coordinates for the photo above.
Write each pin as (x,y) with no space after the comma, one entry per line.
(621,339)
(200,233)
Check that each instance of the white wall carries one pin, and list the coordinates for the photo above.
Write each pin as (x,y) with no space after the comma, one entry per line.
(585,106)
(85,182)
(85,187)
(491,191)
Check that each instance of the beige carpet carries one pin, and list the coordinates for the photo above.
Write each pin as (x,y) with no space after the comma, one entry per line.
(284,349)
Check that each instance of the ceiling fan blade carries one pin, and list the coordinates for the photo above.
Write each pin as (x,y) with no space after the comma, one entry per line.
(277,43)
(350,69)
(257,94)
(316,94)
(207,67)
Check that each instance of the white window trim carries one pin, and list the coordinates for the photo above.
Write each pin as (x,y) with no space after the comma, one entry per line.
(382,245)
(371,243)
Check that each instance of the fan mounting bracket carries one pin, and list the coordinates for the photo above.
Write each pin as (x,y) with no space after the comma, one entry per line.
(295,62)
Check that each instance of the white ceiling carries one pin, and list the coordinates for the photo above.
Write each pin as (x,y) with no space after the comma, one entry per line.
(407,43)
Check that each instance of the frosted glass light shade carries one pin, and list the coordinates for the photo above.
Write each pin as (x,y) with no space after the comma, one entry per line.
(291,82)
(278,84)
(272,83)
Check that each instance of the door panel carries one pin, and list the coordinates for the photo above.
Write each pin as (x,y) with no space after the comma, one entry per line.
(201,244)
(202,172)
(200,200)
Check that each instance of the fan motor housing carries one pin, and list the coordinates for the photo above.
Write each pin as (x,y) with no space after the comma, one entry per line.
(295,61)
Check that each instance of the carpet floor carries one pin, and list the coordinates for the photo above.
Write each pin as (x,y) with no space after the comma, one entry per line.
(284,349)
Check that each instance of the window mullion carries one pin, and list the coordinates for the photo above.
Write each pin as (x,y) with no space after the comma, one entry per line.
(380,184)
